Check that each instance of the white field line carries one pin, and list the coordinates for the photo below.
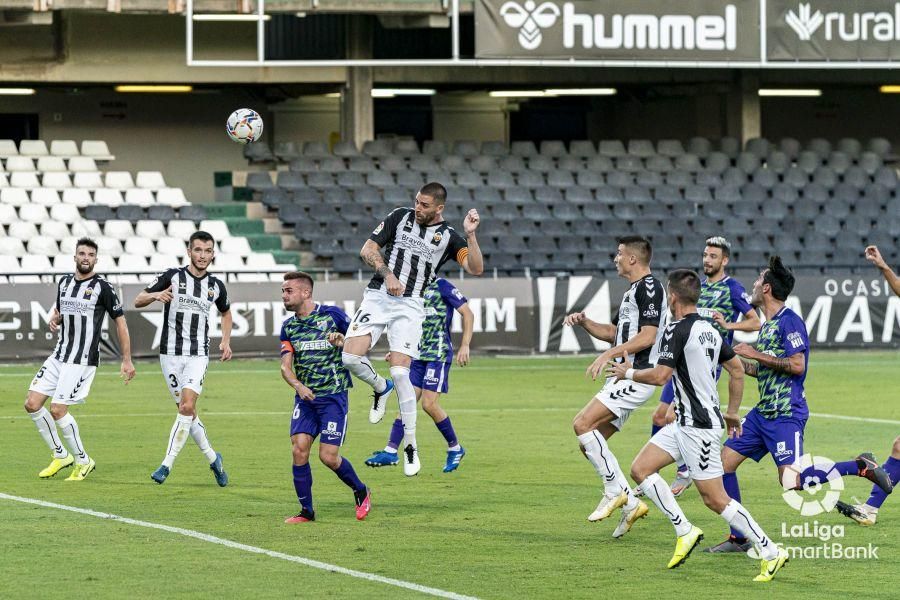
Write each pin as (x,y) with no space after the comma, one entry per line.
(315,564)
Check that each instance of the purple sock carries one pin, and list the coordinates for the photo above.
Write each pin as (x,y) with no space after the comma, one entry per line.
(396,434)
(303,485)
(446,429)
(892,466)
(346,473)
(730,481)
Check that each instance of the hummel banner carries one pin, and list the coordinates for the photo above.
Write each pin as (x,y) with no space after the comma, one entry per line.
(688,30)
(833,30)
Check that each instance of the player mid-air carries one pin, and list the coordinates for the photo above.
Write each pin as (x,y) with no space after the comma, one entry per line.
(691,353)
(311,364)
(416,243)
(430,373)
(187,295)
(83,299)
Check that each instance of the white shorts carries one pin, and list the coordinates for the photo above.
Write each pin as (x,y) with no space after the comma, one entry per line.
(699,449)
(402,318)
(622,397)
(65,383)
(183,372)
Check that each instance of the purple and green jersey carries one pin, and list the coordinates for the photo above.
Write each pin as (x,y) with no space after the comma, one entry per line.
(781,394)
(726,297)
(441,299)
(317,364)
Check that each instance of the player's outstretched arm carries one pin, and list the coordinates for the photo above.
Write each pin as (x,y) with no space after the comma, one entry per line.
(643,340)
(468,326)
(371,255)
(874,257)
(658,375)
(127,371)
(225,344)
(735,369)
(146,298)
(750,322)
(602,331)
(473,263)
(792,365)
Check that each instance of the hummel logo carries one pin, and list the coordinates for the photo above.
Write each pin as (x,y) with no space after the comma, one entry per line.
(805,24)
(529,20)
(76,388)
(668,335)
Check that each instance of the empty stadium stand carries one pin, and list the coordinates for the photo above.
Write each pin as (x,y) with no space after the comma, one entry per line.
(557,207)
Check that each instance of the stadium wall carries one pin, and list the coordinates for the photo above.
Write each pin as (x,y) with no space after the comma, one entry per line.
(511,315)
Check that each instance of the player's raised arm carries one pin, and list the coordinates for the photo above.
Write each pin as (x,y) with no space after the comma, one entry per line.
(874,256)
(160,290)
(473,261)
(605,332)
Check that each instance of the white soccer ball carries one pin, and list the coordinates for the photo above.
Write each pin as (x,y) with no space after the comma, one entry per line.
(244,126)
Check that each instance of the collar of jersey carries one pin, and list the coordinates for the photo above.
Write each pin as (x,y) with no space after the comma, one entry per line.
(192,276)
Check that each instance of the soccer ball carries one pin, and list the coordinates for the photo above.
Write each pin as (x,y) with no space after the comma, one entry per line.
(244,126)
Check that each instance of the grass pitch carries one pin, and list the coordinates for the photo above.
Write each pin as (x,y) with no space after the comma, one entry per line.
(510,523)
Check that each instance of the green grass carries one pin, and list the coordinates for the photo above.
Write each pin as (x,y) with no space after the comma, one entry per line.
(511,523)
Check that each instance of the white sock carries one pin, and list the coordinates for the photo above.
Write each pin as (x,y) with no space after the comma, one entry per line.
(46,426)
(362,369)
(740,518)
(407,395)
(455,448)
(597,451)
(177,438)
(69,429)
(390,450)
(198,432)
(659,492)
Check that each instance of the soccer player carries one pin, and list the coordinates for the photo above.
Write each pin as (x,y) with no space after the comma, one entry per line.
(311,364)
(866,514)
(722,302)
(693,350)
(417,242)
(635,330)
(82,301)
(430,373)
(188,294)
(776,424)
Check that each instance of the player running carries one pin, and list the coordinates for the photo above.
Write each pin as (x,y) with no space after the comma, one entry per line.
(188,294)
(311,364)
(866,514)
(694,352)
(635,331)
(83,299)
(776,424)
(430,373)
(417,242)
(722,302)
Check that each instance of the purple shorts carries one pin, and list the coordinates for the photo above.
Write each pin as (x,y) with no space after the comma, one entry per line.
(431,376)
(781,437)
(325,416)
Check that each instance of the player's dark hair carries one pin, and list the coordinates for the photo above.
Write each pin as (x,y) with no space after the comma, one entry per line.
(721,243)
(434,190)
(291,275)
(779,278)
(86,241)
(686,284)
(639,245)
(202,236)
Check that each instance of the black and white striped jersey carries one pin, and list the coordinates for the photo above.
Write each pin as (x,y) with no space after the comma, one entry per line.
(186,318)
(644,304)
(415,253)
(694,349)
(82,304)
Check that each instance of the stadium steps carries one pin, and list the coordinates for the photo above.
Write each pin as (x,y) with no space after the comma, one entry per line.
(286,257)
(243,226)
(264,242)
(225,210)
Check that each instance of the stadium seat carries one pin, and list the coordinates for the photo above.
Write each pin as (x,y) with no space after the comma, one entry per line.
(118,229)
(108,197)
(589,179)
(730,146)
(4,180)
(856,177)
(151,180)
(790,147)
(465,148)
(139,197)
(192,212)
(523,148)
(870,162)
(659,164)
(228,262)
(76,197)
(820,147)
(887,177)
(839,162)
(494,148)
(641,148)
(118,180)
(690,163)
(46,164)
(879,146)
(700,147)
(160,262)
(287,180)
(139,245)
(611,148)
(11,246)
(33,148)
(84,228)
(8,148)
(362,164)
(54,230)
(42,245)
(171,197)
(65,214)
(96,149)
(174,244)
(130,212)
(560,179)
(149,229)
(64,148)
(345,149)
(33,213)
(758,147)
(10,197)
(215,227)
(669,148)
(258,181)
(235,245)
(56,180)
(287,151)
(350,180)
(553,148)
(161,213)
(47,197)
(304,165)
(19,164)
(91,180)
(392,164)
(24,180)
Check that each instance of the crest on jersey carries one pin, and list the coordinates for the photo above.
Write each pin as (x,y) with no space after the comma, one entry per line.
(210,292)
(88,292)
(437,238)
(378,229)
